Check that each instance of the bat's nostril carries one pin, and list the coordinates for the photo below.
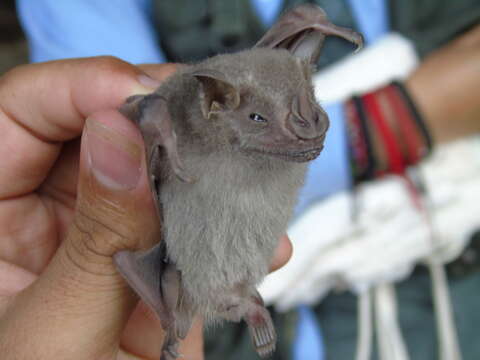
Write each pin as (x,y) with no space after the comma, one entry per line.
(310,128)
(321,121)
(301,122)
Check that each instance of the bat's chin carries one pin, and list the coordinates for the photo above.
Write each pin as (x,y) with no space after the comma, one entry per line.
(291,155)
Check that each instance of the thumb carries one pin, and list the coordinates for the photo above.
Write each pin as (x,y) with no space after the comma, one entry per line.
(80,304)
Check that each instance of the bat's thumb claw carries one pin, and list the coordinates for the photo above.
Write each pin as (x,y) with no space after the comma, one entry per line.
(170,354)
(182,175)
(131,109)
(358,40)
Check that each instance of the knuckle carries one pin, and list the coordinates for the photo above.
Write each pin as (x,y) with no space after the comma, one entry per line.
(91,244)
(11,76)
(112,66)
(111,77)
(102,238)
(109,63)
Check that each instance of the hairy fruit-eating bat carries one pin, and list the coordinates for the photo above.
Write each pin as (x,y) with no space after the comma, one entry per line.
(227,141)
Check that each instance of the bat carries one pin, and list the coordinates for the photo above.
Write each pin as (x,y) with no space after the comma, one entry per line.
(227,142)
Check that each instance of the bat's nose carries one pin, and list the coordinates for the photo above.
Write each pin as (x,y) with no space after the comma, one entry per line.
(306,120)
(311,128)
(308,129)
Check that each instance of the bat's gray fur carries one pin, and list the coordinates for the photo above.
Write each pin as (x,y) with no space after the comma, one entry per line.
(222,229)
(222,225)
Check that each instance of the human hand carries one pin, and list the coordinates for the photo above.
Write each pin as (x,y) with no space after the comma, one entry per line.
(445,88)
(65,212)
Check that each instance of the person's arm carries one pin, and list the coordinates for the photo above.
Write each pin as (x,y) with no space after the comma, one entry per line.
(446,88)
(66,29)
(437,103)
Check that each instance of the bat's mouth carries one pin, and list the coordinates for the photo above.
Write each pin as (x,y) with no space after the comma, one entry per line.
(295,156)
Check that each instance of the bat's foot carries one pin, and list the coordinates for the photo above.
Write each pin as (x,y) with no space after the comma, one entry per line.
(170,352)
(262,331)
(167,355)
(247,304)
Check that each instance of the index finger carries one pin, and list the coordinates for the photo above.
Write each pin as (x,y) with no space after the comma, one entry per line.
(43,105)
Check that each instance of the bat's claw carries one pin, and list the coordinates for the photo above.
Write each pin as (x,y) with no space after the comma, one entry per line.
(358,40)
(183,175)
(170,347)
(131,109)
(264,341)
(262,332)
(170,354)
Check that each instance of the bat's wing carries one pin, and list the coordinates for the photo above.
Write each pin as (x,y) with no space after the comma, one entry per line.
(302,31)
(154,279)
(158,283)
(150,113)
(143,271)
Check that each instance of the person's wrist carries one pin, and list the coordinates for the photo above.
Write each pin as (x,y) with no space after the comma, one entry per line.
(386,132)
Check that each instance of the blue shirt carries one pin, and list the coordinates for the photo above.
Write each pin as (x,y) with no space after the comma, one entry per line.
(59,29)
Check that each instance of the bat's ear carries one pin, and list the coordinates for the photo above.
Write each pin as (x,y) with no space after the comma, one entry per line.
(302,31)
(217,94)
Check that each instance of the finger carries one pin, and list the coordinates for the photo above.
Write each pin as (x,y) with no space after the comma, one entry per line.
(42,105)
(58,192)
(160,72)
(14,279)
(283,253)
(79,305)
(61,183)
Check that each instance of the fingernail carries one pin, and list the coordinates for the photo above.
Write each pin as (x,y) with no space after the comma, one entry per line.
(114,159)
(146,85)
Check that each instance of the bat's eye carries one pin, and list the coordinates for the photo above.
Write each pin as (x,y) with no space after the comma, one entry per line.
(257,118)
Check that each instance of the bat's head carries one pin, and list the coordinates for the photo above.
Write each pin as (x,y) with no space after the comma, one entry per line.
(264,103)
(263,97)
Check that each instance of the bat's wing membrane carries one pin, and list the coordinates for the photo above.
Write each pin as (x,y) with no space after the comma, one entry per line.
(158,283)
(143,272)
(150,113)
(154,279)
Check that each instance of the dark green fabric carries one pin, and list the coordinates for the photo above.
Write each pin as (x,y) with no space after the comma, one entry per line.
(338,318)
(432,23)
(191,30)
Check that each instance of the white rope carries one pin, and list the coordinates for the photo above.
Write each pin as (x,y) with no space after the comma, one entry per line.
(446,330)
(448,346)
(365,328)
(390,342)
